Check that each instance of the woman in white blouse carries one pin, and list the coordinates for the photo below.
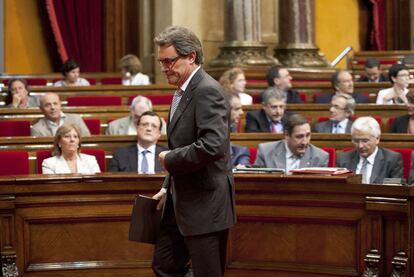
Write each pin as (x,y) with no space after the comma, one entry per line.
(131,69)
(399,77)
(234,81)
(66,156)
(71,75)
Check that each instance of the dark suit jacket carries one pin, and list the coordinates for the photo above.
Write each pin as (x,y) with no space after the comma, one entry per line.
(199,163)
(292,97)
(125,159)
(387,164)
(256,121)
(239,155)
(327,97)
(382,78)
(326,126)
(400,124)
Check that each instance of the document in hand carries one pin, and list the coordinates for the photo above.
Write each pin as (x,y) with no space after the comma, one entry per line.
(145,220)
(321,170)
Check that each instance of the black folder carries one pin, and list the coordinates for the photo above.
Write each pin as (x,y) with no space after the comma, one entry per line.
(145,220)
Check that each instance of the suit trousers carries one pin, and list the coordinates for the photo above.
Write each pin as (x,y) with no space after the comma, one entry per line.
(173,251)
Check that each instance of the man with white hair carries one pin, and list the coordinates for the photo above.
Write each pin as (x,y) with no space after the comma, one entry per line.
(128,125)
(372,162)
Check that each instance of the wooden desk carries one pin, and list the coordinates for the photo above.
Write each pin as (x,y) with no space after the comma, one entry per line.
(287,226)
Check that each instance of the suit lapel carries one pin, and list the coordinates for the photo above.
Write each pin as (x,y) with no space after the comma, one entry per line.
(133,158)
(348,126)
(185,100)
(377,167)
(264,122)
(157,165)
(280,155)
(306,160)
(354,161)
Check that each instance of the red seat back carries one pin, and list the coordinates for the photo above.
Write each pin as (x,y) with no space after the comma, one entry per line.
(111,81)
(323,118)
(99,155)
(161,99)
(94,101)
(253,154)
(94,125)
(332,155)
(303,96)
(14,163)
(40,156)
(14,128)
(407,159)
(31,81)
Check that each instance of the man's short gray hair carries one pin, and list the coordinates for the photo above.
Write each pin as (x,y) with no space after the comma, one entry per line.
(273,93)
(367,124)
(350,101)
(140,99)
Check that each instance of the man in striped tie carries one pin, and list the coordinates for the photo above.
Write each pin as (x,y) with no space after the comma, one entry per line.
(198,198)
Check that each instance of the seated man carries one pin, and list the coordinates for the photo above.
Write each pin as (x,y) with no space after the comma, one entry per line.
(405,124)
(51,107)
(373,72)
(278,77)
(128,125)
(342,82)
(293,152)
(372,162)
(272,115)
(340,122)
(143,156)
(240,155)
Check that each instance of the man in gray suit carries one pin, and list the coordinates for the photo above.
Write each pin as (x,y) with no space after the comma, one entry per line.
(199,207)
(141,157)
(341,110)
(128,125)
(293,152)
(372,162)
(51,107)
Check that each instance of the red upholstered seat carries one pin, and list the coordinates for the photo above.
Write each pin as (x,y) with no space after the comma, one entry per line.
(14,128)
(303,96)
(94,101)
(98,153)
(323,118)
(92,81)
(253,154)
(407,159)
(256,98)
(332,155)
(14,163)
(32,82)
(94,125)
(389,124)
(156,99)
(111,81)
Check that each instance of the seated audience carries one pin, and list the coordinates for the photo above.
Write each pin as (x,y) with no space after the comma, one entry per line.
(240,155)
(405,124)
(71,75)
(141,157)
(279,77)
(342,82)
(341,110)
(18,95)
(234,81)
(66,156)
(131,70)
(128,125)
(293,152)
(399,78)
(372,162)
(51,108)
(373,72)
(272,115)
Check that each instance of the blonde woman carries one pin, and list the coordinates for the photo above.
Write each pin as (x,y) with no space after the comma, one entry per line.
(66,156)
(234,81)
(131,69)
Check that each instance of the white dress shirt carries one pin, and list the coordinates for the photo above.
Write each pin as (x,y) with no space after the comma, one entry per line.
(370,164)
(150,155)
(340,127)
(292,160)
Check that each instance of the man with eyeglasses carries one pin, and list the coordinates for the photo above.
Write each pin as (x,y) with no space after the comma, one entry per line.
(272,115)
(341,110)
(342,82)
(372,162)
(141,157)
(198,191)
(405,124)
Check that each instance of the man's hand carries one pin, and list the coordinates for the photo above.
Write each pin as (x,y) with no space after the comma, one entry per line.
(162,196)
(161,156)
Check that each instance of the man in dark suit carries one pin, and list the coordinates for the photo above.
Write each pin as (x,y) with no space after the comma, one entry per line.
(372,162)
(403,124)
(143,156)
(272,115)
(342,82)
(373,72)
(341,110)
(278,77)
(199,205)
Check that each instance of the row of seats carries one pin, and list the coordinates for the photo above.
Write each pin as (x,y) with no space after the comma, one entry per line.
(92,81)
(17,162)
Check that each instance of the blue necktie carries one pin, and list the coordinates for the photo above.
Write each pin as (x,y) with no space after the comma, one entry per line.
(144,162)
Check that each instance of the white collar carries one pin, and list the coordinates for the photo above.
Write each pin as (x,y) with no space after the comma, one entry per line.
(151,149)
(371,158)
(185,85)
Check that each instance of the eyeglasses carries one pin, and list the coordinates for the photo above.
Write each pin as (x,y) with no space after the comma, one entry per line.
(169,62)
(336,107)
